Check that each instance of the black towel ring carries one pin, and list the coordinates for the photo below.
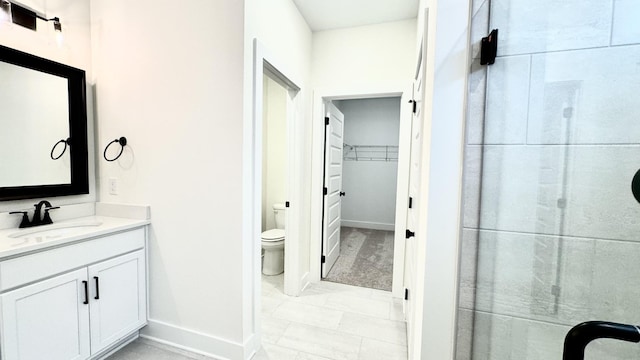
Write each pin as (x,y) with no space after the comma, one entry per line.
(66,142)
(122,141)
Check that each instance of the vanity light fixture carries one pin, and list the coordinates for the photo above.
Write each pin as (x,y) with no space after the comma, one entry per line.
(57,26)
(26,17)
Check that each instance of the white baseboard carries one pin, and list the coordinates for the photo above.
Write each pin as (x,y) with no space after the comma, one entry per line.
(195,342)
(368,225)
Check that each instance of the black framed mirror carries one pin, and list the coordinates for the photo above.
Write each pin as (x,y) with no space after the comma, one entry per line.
(43,117)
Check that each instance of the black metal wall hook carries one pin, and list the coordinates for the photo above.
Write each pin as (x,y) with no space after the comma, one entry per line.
(66,142)
(122,141)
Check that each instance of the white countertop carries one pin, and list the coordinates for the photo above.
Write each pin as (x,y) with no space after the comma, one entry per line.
(12,244)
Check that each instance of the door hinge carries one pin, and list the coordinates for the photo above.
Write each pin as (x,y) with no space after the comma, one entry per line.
(409,234)
(489,48)
(286,204)
(326,120)
(410,202)
(406,294)
(415,105)
(325,191)
(323,259)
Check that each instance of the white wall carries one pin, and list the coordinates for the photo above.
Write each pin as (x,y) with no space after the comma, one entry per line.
(364,56)
(274,143)
(173,86)
(370,186)
(75,50)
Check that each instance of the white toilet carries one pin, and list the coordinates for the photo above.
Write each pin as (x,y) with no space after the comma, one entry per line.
(273,244)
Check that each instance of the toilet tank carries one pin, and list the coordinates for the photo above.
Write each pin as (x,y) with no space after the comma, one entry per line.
(278,211)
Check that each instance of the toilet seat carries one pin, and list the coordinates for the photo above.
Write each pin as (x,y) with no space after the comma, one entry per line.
(273,235)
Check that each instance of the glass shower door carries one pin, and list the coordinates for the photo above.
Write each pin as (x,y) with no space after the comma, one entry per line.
(551,230)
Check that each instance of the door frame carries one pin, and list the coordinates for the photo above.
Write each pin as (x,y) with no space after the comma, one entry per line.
(404,91)
(265,63)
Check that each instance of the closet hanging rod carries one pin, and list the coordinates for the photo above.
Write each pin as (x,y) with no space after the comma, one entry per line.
(370,152)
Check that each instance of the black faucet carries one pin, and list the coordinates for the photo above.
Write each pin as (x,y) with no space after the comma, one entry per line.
(37,220)
(582,334)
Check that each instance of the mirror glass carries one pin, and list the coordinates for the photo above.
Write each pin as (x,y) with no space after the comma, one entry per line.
(33,103)
(43,117)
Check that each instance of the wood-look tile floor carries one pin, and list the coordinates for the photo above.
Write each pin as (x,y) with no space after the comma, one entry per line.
(329,321)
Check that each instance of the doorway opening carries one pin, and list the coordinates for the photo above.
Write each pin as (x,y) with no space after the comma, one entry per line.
(360,234)
(356,147)
(275,175)
(270,77)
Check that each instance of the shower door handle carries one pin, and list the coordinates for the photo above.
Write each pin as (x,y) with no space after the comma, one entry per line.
(581,335)
(635,186)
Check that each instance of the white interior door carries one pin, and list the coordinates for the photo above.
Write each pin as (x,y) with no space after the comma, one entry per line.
(414,196)
(332,184)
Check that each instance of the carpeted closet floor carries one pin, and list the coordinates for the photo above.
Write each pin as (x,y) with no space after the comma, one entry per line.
(366,259)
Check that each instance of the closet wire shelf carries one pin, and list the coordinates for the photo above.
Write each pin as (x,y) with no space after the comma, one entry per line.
(370,152)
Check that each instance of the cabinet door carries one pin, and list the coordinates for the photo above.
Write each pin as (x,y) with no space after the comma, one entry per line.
(118,298)
(47,320)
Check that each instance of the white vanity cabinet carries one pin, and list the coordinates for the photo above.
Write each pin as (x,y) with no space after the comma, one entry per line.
(74,301)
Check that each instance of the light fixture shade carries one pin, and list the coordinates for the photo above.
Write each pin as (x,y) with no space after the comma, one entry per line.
(57,26)
(23,17)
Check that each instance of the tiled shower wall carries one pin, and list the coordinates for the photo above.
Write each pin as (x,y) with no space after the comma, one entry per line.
(551,231)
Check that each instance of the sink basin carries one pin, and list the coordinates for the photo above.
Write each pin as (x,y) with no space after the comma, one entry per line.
(55,230)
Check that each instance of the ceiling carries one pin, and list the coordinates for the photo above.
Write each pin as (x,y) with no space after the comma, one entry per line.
(334,14)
